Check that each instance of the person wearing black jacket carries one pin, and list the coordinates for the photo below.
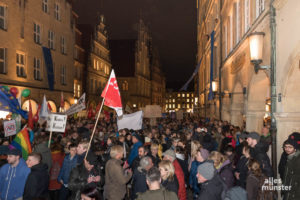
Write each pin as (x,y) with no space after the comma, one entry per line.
(37,182)
(88,173)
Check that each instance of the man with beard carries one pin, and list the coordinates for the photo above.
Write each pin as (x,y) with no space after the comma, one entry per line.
(13,176)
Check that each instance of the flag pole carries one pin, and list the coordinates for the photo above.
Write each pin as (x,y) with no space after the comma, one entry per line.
(94,128)
(49,142)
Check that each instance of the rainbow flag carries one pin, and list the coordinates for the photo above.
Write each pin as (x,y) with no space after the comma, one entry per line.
(22,142)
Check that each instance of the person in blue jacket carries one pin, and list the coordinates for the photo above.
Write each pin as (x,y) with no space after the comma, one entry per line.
(136,140)
(13,176)
(69,163)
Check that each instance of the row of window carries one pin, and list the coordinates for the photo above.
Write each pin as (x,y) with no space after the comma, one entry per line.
(46,9)
(96,86)
(173,100)
(239,21)
(101,66)
(179,106)
(77,90)
(21,64)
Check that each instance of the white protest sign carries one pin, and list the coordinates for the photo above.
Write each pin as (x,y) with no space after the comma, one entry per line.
(132,121)
(179,114)
(10,128)
(75,108)
(152,111)
(56,123)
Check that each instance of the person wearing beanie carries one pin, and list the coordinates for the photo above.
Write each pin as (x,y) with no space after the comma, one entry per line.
(258,151)
(212,185)
(289,147)
(201,156)
(292,170)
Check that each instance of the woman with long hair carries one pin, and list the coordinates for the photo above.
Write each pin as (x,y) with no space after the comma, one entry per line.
(169,180)
(253,179)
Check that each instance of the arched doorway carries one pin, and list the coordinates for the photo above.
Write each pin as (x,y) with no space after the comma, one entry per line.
(52,106)
(259,92)
(34,106)
(237,106)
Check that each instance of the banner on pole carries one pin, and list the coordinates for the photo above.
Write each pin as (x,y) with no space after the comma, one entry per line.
(75,108)
(10,128)
(131,121)
(56,123)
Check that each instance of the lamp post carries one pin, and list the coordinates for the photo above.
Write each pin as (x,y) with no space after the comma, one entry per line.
(256,54)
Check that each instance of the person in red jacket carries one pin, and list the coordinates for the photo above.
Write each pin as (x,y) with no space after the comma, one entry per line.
(171,156)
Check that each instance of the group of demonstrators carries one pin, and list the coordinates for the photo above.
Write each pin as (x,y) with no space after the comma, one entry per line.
(193,158)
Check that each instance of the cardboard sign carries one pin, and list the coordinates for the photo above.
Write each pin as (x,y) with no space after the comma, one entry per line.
(152,111)
(56,123)
(75,108)
(10,128)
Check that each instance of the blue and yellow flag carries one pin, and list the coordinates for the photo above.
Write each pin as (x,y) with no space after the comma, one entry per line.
(9,103)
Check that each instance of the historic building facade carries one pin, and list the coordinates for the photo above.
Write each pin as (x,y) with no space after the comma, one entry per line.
(131,61)
(96,60)
(184,101)
(36,49)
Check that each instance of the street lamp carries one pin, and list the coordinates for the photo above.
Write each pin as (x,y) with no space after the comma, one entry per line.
(256,50)
(75,100)
(214,86)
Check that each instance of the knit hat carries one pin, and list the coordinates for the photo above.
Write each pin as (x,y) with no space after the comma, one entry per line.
(254,135)
(170,153)
(204,153)
(207,170)
(291,142)
(134,134)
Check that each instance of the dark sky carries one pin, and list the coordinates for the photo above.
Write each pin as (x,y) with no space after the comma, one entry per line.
(172,24)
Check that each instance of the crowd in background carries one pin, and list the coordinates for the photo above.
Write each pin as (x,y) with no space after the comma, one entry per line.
(194,158)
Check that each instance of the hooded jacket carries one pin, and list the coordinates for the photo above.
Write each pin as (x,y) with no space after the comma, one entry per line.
(37,182)
(226,173)
(67,166)
(134,152)
(12,180)
(259,153)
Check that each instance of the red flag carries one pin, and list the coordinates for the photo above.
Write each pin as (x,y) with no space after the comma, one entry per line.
(36,116)
(112,95)
(49,107)
(30,117)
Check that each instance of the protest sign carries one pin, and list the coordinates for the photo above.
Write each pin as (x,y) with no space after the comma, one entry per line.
(152,111)
(179,114)
(79,106)
(10,128)
(56,123)
(131,121)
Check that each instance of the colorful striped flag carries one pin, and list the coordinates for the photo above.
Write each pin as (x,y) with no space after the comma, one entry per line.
(22,142)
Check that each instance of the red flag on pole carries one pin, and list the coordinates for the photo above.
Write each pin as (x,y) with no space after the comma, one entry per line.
(30,117)
(111,94)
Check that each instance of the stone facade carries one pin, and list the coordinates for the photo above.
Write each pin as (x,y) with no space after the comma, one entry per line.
(26,27)
(184,101)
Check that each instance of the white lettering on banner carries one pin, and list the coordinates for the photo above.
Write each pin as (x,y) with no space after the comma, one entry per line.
(10,128)
(56,123)
(75,108)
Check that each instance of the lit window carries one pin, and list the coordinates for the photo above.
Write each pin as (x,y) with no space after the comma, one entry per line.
(63,73)
(173,105)
(21,65)
(173,100)
(2,60)
(51,39)
(178,95)
(188,100)
(37,69)
(98,67)
(78,90)
(95,64)
(37,33)
(3,10)
(178,105)
(183,95)
(187,95)
(187,105)
(192,95)
(57,11)
(45,6)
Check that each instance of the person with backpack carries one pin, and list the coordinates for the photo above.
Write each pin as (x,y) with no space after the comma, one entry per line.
(212,185)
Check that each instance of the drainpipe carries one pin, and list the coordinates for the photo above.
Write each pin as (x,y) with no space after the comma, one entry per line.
(220,68)
(273,129)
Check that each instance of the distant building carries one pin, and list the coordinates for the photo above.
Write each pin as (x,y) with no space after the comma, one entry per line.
(96,60)
(180,101)
(131,60)
(36,50)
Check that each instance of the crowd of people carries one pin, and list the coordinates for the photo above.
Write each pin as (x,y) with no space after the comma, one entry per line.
(194,158)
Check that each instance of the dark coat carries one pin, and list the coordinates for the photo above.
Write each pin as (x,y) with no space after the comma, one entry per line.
(212,189)
(171,185)
(226,173)
(139,183)
(184,166)
(193,181)
(156,160)
(282,164)
(259,153)
(115,180)
(252,186)
(37,182)
(292,177)
(78,179)
(135,163)
(242,168)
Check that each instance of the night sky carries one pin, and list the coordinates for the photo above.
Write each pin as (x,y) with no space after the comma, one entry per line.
(172,24)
